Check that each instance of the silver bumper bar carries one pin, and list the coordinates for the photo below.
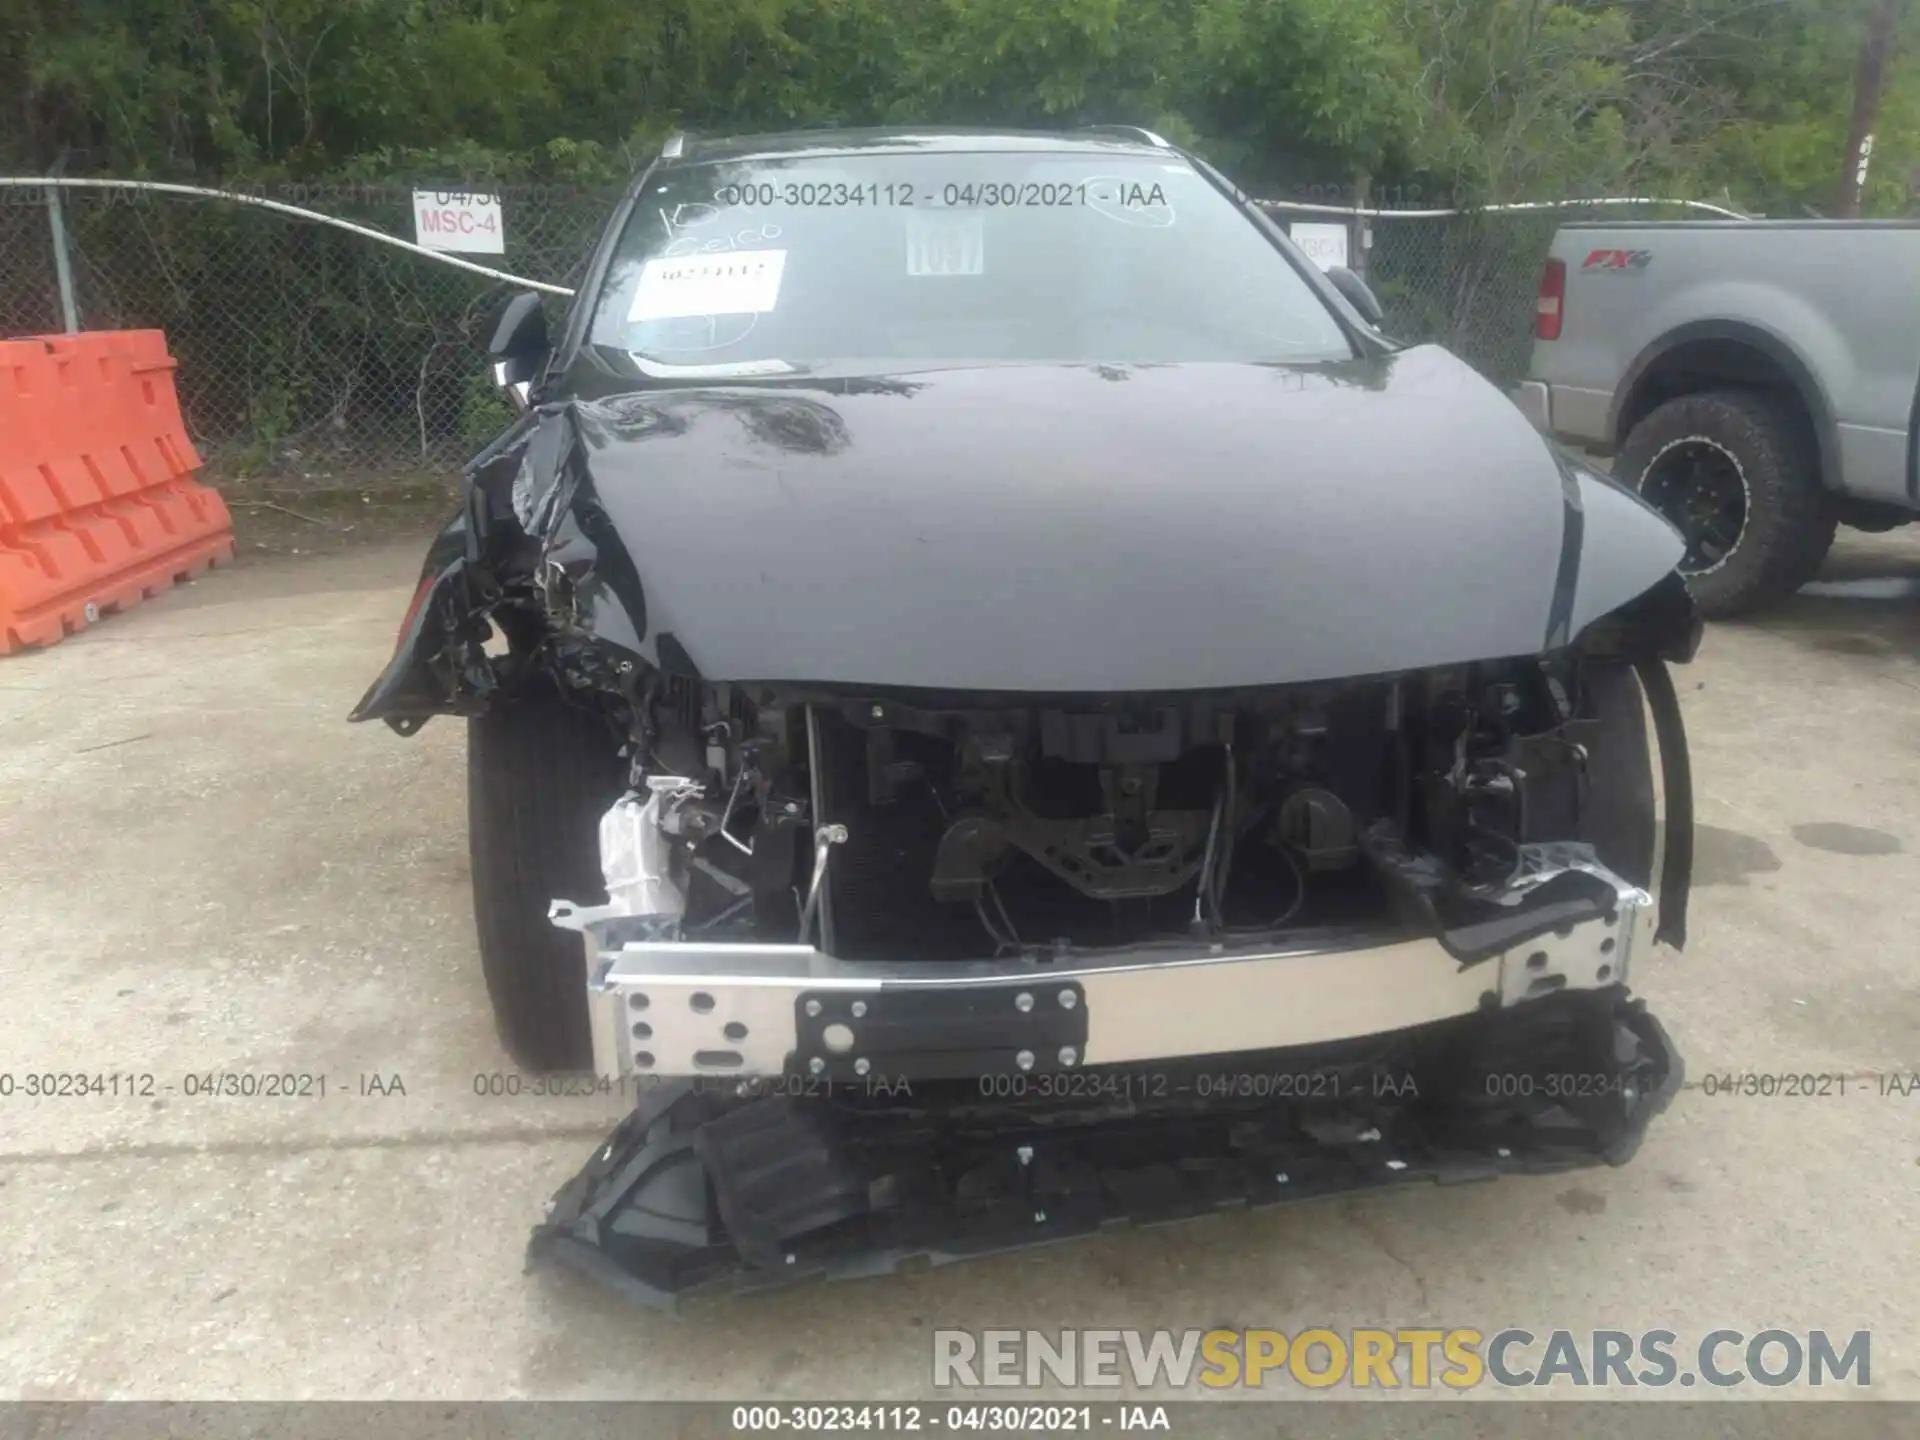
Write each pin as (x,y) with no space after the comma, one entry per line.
(690,1009)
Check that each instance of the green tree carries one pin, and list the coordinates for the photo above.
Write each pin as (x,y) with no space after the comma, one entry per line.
(1492,99)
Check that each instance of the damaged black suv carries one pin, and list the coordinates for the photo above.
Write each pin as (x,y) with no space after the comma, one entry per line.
(1002,701)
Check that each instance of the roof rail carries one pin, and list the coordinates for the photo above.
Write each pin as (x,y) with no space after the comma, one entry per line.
(673,145)
(1138,132)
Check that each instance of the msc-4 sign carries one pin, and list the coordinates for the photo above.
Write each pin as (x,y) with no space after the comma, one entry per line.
(1617,260)
(458,220)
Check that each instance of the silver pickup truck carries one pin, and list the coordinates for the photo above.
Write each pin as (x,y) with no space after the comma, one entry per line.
(1755,380)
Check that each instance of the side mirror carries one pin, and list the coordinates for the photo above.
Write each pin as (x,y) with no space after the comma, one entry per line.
(1358,294)
(520,348)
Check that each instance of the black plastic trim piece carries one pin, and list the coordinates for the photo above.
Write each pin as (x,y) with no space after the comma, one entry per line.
(1421,886)
(1676,776)
(915,1033)
(1566,580)
(876,1184)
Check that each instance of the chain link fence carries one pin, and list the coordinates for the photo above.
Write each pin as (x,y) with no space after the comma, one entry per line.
(29,292)
(303,349)
(1470,282)
(309,352)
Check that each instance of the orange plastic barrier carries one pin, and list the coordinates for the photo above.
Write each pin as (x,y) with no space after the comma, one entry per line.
(98,504)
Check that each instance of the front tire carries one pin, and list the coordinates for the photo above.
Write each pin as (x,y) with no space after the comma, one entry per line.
(1607,800)
(1737,472)
(540,773)
(1618,818)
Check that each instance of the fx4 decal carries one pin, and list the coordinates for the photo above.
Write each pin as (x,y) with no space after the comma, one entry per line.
(1617,260)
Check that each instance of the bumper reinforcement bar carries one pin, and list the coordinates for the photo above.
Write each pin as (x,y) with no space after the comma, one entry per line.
(665,1008)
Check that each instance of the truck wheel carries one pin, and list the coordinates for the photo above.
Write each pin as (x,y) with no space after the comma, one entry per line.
(1738,475)
(540,774)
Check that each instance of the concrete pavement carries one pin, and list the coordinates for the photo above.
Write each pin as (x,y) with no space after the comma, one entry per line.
(206,870)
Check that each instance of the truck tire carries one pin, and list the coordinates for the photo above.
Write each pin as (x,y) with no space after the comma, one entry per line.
(540,773)
(1738,474)
(1618,818)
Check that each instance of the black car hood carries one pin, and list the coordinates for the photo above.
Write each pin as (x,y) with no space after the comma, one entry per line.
(1091,528)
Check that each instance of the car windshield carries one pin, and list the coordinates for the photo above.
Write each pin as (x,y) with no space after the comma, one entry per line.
(873,260)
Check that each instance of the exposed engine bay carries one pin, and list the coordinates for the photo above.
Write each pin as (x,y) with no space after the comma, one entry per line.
(821,1112)
(888,829)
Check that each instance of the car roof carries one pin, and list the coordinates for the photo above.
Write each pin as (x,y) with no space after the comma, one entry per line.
(792,144)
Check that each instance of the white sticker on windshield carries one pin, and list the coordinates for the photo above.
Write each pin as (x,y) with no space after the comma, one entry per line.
(950,244)
(737,282)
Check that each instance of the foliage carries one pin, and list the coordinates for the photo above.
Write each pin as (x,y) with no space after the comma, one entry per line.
(1786,82)
(1487,98)
(1523,98)
(298,344)
(1279,75)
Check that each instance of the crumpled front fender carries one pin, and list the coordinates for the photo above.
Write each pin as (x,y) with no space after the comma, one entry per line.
(437,666)
(1626,546)
(530,520)
(415,685)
